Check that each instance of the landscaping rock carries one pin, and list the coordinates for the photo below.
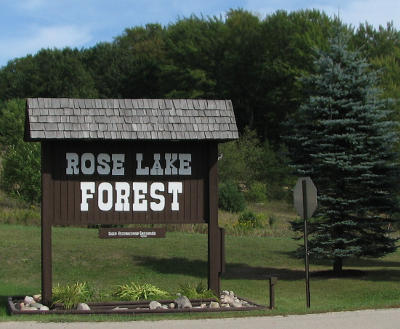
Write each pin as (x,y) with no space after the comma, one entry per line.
(236,304)
(154,305)
(227,299)
(29,300)
(204,305)
(172,306)
(164,307)
(37,298)
(214,305)
(37,305)
(44,308)
(183,302)
(83,307)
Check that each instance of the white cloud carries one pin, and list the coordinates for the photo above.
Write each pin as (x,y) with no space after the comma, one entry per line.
(44,37)
(354,12)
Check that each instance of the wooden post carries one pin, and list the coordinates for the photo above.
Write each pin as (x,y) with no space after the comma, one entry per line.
(46,225)
(214,236)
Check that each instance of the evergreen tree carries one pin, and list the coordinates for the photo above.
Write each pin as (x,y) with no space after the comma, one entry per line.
(343,139)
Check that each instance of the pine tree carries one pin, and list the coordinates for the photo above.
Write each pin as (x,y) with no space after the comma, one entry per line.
(342,138)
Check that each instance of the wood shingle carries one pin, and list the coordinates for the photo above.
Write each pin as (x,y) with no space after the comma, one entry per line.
(130,119)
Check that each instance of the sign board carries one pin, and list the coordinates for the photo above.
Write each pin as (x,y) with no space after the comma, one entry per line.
(138,233)
(305,197)
(126,182)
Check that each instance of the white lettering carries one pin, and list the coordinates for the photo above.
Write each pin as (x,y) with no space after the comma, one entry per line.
(175,188)
(157,169)
(184,164)
(87,189)
(85,159)
(105,187)
(103,159)
(122,200)
(118,164)
(72,164)
(139,201)
(139,169)
(155,187)
(170,169)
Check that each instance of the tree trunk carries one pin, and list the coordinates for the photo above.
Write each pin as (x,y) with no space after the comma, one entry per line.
(337,265)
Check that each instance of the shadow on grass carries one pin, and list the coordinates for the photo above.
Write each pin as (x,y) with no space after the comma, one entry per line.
(3,304)
(352,262)
(198,268)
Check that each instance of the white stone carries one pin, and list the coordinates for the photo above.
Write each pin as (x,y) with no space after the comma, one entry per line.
(29,300)
(214,305)
(172,306)
(154,305)
(236,304)
(37,298)
(83,307)
(204,305)
(44,308)
(183,302)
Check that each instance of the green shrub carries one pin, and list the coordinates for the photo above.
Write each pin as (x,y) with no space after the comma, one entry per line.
(72,295)
(137,291)
(198,291)
(257,192)
(231,198)
(249,220)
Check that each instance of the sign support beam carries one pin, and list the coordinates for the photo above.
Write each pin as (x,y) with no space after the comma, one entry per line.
(214,236)
(46,241)
(307,263)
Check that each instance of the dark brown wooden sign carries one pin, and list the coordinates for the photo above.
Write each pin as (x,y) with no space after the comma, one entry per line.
(138,233)
(130,161)
(126,182)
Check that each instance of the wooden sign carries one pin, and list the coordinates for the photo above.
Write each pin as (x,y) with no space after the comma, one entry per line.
(130,161)
(138,233)
(127,182)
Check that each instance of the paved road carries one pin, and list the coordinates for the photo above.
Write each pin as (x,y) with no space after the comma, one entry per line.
(371,319)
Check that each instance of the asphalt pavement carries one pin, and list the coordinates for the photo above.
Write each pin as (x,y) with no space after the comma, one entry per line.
(369,319)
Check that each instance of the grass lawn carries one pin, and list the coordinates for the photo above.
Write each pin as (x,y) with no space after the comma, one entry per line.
(78,254)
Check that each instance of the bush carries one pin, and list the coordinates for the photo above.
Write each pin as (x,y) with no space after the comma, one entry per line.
(198,291)
(231,198)
(72,295)
(21,171)
(21,161)
(257,192)
(137,291)
(249,220)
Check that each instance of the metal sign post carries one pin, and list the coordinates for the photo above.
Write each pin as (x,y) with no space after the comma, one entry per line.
(305,202)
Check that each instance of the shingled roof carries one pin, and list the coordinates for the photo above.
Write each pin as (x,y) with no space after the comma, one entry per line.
(129,119)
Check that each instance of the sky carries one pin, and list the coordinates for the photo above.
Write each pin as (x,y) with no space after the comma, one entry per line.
(26,26)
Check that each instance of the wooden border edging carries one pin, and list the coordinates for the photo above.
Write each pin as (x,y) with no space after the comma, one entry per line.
(107,308)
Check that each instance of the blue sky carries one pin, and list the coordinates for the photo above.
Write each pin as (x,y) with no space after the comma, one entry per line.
(26,26)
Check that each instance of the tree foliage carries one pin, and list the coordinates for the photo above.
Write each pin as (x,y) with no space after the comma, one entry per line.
(20,174)
(342,138)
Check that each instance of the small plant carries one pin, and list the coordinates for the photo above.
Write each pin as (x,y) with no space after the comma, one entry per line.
(249,220)
(271,220)
(198,291)
(71,295)
(257,192)
(136,291)
(230,197)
